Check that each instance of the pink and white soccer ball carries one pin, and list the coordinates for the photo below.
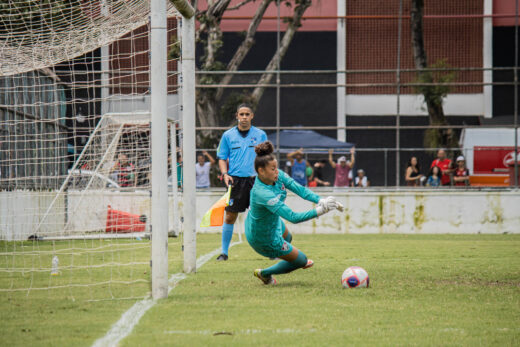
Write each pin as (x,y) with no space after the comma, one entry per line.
(355,277)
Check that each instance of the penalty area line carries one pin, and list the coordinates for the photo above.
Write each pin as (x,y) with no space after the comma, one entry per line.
(124,326)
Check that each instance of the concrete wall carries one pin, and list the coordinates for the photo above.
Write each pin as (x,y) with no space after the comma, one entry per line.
(370,211)
(22,211)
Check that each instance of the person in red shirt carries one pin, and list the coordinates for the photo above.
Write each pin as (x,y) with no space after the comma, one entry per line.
(445,165)
(461,177)
(125,172)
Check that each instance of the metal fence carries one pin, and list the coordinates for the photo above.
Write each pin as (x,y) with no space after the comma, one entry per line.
(379,62)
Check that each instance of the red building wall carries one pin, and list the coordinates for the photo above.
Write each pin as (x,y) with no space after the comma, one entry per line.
(505,11)
(372,42)
(129,62)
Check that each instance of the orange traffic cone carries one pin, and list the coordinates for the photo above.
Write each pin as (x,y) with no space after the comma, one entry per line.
(124,222)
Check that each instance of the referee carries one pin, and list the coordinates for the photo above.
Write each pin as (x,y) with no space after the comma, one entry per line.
(237,147)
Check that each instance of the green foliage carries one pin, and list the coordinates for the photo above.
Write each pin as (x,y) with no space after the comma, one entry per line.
(213,79)
(433,139)
(436,93)
(229,109)
(20,17)
(175,49)
(434,96)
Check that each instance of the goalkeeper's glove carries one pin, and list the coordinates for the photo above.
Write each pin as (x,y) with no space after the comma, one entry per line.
(321,210)
(331,203)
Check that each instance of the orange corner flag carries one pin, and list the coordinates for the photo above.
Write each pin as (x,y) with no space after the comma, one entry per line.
(215,215)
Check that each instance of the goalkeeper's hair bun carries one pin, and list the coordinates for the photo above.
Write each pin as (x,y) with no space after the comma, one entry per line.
(264,154)
(264,148)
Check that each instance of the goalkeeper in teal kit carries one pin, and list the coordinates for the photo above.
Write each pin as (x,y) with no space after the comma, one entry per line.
(265,230)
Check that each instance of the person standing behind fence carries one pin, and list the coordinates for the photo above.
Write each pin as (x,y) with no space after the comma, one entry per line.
(444,164)
(238,146)
(434,180)
(342,168)
(361,179)
(316,179)
(298,167)
(461,176)
(413,175)
(202,169)
(124,171)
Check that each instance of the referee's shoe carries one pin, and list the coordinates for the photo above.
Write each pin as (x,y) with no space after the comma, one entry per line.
(222,257)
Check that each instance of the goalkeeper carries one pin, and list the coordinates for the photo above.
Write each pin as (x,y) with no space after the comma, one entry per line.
(265,230)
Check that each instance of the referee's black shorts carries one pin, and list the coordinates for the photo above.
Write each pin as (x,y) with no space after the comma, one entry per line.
(239,197)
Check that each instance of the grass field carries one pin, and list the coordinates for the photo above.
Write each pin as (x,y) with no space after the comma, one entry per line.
(425,290)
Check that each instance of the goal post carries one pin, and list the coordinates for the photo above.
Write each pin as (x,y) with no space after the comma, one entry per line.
(188,124)
(159,143)
(159,199)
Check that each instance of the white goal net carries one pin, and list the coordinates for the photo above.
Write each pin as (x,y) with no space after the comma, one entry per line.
(75,154)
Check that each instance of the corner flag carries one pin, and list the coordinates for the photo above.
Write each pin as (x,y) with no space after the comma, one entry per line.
(215,215)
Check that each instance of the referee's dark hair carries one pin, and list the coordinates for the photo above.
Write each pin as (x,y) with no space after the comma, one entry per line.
(246,105)
(264,154)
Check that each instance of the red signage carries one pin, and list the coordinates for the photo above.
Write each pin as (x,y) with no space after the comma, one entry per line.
(487,159)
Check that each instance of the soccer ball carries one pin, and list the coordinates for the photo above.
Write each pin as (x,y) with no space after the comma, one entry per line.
(355,277)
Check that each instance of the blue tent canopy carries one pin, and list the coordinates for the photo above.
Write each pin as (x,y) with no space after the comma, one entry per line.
(310,140)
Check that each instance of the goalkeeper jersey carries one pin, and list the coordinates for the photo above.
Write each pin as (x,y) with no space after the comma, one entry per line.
(267,205)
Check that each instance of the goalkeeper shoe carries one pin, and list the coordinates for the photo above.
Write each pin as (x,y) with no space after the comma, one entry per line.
(267,280)
(309,264)
(222,257)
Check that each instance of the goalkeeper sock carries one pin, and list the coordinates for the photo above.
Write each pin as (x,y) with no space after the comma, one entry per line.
(227,234)
(284,267)
(288,237)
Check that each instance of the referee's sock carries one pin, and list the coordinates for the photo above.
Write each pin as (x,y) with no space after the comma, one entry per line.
(227,234)
(284,266)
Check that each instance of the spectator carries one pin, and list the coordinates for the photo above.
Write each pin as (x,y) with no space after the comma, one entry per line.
(444,165)
(316,179)
(413,176)
(202,169)
(434,180)
(461,177)
(342,168)
(309,172)
(179,170)
(287,168)
(124,171)
(361,179)
(180,178)
(144,171)
(298,166)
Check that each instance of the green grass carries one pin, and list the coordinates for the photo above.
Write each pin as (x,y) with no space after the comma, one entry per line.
(425,290)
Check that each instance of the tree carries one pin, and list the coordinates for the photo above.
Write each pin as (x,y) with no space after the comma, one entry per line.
(210,101)
(19,19)
(433,93)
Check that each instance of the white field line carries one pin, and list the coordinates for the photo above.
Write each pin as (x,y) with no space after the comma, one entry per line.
(124,326)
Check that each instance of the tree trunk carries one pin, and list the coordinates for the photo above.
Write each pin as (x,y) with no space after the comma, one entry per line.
(433,137)
(244,48)
(210,100)
(294,24)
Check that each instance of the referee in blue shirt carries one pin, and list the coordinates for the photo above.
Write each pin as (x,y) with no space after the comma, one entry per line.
(238,147)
